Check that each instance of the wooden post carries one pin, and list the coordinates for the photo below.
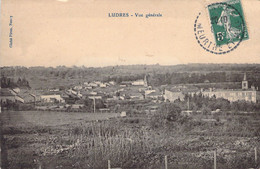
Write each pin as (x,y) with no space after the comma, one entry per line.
(188,103)
(108,163)
(94,105)
(255,156)
(215,159)
(166,162)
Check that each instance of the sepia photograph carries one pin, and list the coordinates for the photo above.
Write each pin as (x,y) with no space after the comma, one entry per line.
(125,84)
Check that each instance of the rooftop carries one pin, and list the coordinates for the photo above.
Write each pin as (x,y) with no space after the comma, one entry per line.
(6,92)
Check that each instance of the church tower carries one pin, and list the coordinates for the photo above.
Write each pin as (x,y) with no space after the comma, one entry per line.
(145,81)
(244,83)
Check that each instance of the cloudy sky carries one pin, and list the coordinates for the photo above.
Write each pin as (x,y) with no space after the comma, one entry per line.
(79,32)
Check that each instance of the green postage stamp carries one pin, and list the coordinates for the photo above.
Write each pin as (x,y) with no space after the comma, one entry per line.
(227,21)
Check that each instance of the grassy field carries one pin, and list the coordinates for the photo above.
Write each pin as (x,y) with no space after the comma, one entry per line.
(87,141)
(26,133)
(49,118)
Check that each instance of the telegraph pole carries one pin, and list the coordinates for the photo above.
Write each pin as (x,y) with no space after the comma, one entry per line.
(188,103)
(215,159)
(94,104)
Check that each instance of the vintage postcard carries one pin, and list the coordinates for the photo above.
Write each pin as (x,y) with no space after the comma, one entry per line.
(127,84)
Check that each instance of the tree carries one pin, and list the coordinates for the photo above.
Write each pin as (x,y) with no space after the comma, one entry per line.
(205,110)
(170,111)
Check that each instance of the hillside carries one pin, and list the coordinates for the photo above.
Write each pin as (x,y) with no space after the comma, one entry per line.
(61,76)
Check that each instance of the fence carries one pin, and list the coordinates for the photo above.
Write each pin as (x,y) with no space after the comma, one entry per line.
(214,159)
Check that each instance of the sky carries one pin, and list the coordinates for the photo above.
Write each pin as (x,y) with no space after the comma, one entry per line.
(79,32)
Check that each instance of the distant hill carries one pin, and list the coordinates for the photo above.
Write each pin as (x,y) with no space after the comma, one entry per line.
(61,76)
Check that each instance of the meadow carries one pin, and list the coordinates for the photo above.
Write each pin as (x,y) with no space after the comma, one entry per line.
(85,140)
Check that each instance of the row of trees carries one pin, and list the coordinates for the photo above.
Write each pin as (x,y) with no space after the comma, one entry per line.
(212,77)
(11,83)
(160,75)
(199,102)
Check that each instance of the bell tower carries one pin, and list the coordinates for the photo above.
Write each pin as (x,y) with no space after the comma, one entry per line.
(145,81)
(245,83)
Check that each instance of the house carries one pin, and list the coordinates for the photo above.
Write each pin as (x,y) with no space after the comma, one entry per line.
(136,96)
(98,83)
(178,92)
(154,95)
(112,83)
(7,94)
(123,114)
(79,87)
(74,93)
(102,85)
(52,98)
(126,83)
(88,87)
(95,97)
(77,106)
(93,93)
(92,84)
(113,98)
(71,91)
(149,91)
(17,90)
(138,82)
(65,95)
(173,95)
(28,96)
(54,90)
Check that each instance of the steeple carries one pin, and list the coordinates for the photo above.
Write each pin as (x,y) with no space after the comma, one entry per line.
(245,83)
(244,77)
(145,81)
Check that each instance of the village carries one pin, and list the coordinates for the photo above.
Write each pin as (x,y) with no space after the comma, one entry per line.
(98,96)
(131,122)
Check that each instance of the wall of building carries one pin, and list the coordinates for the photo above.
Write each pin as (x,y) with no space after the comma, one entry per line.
(233,95)
(49,98)
(172,96)
(11,98)
(5,98)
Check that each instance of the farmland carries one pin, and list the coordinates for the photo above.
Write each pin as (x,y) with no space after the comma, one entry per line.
(87,140)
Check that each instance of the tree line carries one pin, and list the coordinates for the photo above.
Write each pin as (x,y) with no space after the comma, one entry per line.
(158,75)
(11,83)
(206,105)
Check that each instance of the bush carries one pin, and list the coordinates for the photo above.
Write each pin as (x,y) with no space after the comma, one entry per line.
(170,111)
(168,114)
(206,110)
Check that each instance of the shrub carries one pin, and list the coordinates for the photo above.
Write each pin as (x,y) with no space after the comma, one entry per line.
(167,115)
(205,110)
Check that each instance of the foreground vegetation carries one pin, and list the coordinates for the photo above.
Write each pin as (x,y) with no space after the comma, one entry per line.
(78,140)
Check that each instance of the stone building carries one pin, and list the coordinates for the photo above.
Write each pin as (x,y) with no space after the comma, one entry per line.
(245,93)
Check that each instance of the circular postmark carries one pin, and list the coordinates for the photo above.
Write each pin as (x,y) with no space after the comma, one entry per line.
(225,31)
